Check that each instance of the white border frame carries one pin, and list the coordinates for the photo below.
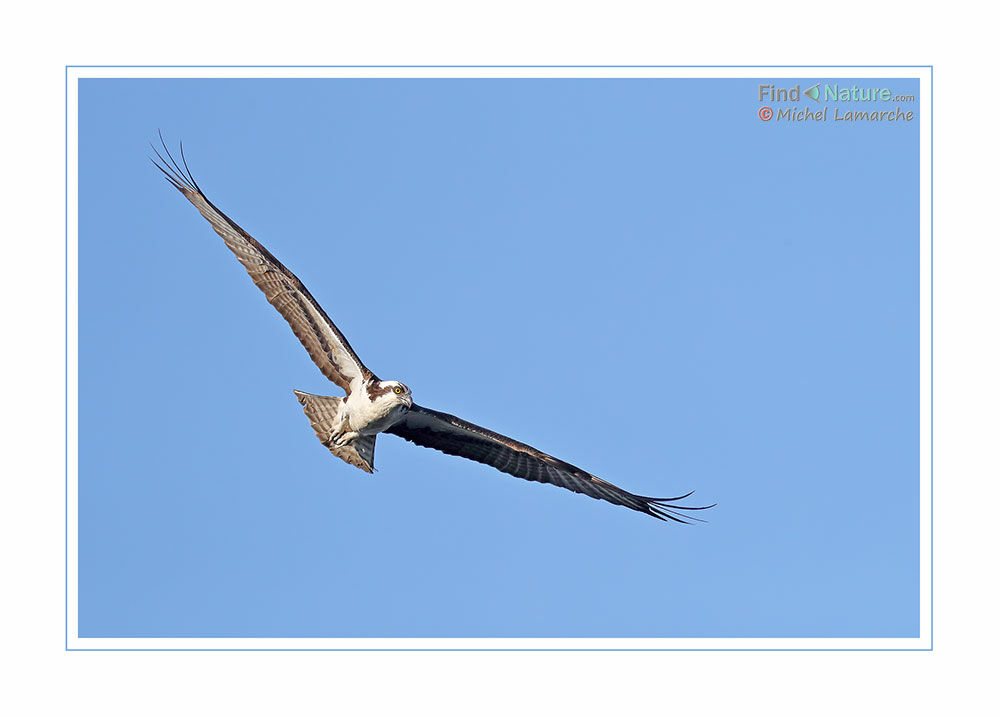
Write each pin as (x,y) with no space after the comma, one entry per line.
(923,642)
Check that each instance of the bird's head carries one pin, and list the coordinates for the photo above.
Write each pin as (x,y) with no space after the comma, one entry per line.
(397,391)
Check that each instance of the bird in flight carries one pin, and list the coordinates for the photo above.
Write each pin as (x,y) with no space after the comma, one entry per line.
(348,425)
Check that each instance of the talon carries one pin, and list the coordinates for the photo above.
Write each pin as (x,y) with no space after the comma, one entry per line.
(345,438)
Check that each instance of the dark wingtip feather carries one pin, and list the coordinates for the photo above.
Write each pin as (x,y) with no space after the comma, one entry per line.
(182,179)
(665,509)
(166,174)
(190,174)
(665,500)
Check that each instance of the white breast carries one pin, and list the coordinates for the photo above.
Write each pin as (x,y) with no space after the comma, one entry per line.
(368,417)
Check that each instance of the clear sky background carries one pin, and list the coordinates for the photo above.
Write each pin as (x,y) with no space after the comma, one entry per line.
(639,277)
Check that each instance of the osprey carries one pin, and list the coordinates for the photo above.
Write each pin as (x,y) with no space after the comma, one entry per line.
(348,425)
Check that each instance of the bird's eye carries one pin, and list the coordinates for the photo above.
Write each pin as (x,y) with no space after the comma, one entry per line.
(398,389)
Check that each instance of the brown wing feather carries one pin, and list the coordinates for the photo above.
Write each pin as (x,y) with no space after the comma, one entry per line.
(456,437)
(323,412)
(328,347)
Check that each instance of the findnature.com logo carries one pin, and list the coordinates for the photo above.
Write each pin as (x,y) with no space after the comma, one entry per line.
(833,93)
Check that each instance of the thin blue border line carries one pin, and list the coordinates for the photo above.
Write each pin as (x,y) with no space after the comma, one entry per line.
(67,648)
(496,649)
(931,357)
(65,352)
(492,66)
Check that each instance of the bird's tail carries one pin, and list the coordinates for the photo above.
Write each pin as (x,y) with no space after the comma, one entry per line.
(324,413)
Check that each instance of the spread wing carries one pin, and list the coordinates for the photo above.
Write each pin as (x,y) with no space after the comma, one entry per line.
(320,337)
(452,435)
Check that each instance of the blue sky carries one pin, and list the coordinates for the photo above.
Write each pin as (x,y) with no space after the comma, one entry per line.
(637,276)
